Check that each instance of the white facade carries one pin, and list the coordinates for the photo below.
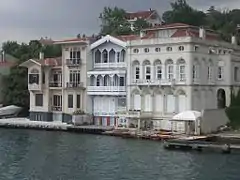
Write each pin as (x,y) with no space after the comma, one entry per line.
(57,86)
(168,75)
(107,80)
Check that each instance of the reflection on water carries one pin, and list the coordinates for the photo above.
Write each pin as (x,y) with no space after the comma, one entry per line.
(26,154)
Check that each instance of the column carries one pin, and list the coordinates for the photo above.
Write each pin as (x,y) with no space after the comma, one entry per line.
(141,73)
(152,73)
(163,72)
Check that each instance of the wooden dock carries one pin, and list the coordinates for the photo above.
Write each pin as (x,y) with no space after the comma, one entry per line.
(200,146)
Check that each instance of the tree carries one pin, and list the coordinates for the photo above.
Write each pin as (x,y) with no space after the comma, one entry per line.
(183,13)
(140,24)
(16,83)
(113,22)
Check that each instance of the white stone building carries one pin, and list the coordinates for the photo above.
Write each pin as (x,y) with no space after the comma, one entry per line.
(57,86)
(107,80)
(178,67)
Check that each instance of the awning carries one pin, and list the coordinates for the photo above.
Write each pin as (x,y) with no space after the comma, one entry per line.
(187,116)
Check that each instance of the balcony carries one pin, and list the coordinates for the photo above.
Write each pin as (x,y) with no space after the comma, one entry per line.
(135,113)
(73,62)
(154,82)
(74,85)
(56,108)
(106,90)
(110,65)
(55,84)
(34,87)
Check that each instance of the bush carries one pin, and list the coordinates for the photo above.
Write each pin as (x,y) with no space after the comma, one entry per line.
(79,112)
(233,114)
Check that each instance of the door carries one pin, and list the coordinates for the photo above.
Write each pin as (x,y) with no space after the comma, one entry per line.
(137,102)
(112,121)
(170,103)
(182,103)
(108,121)
(148,103)
(158,103)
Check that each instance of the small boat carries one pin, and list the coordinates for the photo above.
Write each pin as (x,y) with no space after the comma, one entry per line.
(9,111)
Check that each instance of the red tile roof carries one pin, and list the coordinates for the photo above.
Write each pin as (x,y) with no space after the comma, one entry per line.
(50,61)
(191,32)
(139,14)
(171,26)
(127,37)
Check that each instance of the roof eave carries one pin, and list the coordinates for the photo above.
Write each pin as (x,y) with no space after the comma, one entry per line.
(69,42)
(25,64)
(108,38)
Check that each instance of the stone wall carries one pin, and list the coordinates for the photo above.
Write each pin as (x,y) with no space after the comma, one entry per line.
(79,120)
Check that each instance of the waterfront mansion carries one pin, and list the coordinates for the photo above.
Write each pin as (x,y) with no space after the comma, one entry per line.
(150,77)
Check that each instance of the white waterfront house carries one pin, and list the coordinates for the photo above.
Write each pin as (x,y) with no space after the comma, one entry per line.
(177,67)
(57,86)
(107,80)
(151,16)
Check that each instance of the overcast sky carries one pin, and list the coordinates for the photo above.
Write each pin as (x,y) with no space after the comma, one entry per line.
(23,20)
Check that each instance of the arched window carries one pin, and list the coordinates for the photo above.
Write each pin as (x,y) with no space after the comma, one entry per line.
(181,69)
(97,56)
(105,56)
(147,69)
(136,70)
(122,57)
(112,56)
(99,80)
(158,69)
(169,70)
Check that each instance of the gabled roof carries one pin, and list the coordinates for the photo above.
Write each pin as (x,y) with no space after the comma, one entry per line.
(108,38)
(140,14)
(43,62)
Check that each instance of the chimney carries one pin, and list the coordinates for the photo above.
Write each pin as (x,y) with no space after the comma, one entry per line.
(41,55)
(234,40)
(142,34)
(202,33)
(150,9)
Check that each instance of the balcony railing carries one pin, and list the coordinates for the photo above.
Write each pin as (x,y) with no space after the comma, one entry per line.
(55,84)
(56,108)
(110,65)
(154,82)
(34,86)
(73,62)
(107,88)
(74,85)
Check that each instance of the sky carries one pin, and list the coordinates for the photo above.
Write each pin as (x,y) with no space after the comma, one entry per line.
(23,20)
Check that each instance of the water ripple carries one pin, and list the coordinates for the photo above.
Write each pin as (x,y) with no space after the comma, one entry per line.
(36,155)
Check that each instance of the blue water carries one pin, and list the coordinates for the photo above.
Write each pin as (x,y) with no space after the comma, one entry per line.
(40,155)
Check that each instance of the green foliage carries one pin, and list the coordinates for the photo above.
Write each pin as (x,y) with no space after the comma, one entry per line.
(183,13)
(224,22)
(16,83)
(78,112)
(233,110)
(114,22)
(140,24)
